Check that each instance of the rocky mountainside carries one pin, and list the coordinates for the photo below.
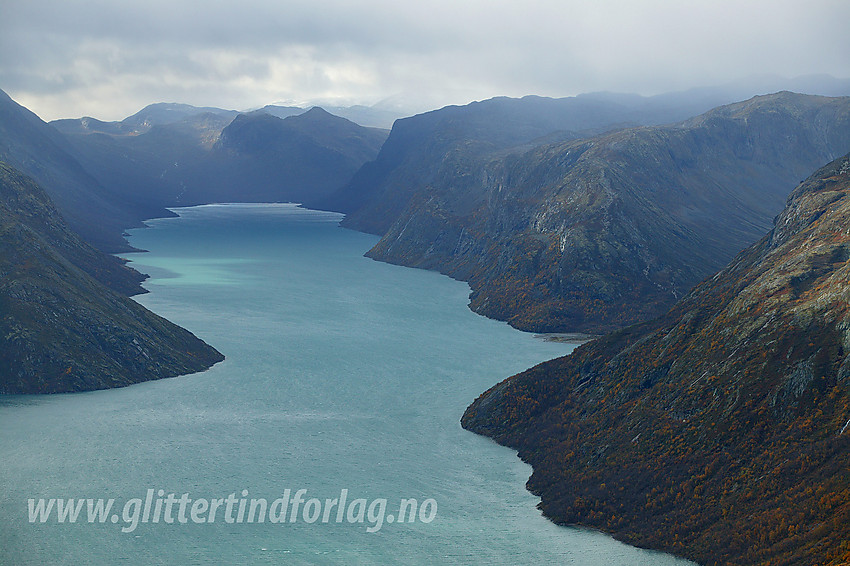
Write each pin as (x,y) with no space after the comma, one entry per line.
(40,151)
(62,329)
(721,430)
(298,158)
(442,148)
(213,157)
(594,233)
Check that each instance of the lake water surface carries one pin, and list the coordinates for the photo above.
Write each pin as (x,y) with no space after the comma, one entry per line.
(343,375)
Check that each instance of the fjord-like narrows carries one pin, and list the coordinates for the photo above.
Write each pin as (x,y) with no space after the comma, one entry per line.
(345,378)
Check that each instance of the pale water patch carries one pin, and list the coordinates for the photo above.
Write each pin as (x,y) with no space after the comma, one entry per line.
(341,374)
(188,271)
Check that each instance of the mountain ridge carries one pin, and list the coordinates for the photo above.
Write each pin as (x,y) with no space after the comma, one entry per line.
(213,157)
(599,232)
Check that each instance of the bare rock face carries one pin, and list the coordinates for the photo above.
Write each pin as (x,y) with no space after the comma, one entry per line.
(720,430)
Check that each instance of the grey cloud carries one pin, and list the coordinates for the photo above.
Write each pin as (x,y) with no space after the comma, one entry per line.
(113,57)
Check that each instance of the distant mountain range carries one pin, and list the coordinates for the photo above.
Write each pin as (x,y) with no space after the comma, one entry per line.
(164,113)
(160,114)
(208,157)
(63,328)
(108,176)
(720,430)
(595,232)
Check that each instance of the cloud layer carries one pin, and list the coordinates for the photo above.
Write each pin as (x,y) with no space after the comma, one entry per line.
(109,58)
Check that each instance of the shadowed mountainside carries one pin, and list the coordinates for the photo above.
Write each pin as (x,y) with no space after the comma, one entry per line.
(212,157)
(719,431)
(40,151)
(63,330)
(300,158)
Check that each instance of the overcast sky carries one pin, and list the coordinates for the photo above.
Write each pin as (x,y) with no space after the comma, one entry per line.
(109,58)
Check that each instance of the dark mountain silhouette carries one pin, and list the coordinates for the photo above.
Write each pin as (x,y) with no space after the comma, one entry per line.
(299,158)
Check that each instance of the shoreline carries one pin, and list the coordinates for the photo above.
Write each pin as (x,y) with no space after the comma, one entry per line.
(576,338)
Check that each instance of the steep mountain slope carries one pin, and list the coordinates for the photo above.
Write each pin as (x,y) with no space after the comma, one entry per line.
(38,150)
(300,158)
(594,234)
(155,168)
(427,150)
(719,431)
(60,329)
(440,149)
(211,157)
(26,203)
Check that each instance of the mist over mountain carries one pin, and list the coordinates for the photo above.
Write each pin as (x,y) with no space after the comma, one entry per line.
(510,124)
(164,113)
(150,169)
(718,431)
(280,111)
(592,233)
(63,329)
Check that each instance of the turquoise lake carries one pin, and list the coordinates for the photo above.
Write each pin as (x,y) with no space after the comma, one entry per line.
(343,375)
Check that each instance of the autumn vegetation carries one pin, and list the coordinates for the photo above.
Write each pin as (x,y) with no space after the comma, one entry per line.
(718,431)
